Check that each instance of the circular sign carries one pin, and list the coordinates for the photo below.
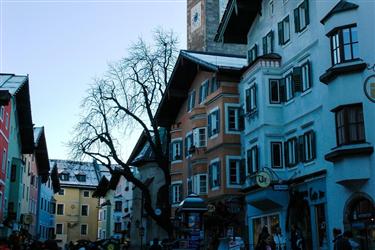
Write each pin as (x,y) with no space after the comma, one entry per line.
(263,179)
(369,88)
(157,211)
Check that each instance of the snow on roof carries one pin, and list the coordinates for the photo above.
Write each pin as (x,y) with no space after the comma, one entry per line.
(74,167)
(217,60)
(12,83)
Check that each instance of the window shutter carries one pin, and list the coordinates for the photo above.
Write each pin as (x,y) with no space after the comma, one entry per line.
(200,93)
(265,45)
(286,154)
(241,119)
(310,73)
(219,173)
(242,171)
(218,121)
(209,125)
(313,144)
(301,149)
(280,33)
(255,51)
(186,147)
(297,79)
(255,96)
(256,159)
(307,12)
(272,41)
(193,99)
(282,90)
(171,151)
(296,20)
(181,192)
(210,177)
(248,162)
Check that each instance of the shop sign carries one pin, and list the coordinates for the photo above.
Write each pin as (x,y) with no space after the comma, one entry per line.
(263,179)
(281,187)
(369,88)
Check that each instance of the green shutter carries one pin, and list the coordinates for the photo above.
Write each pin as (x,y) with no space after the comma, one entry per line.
(247,100)
(210,175)
(282,90)
(242,171)
(280,33)
(286,154)
(265,45)
(209,126)
(296,20)
(297,79)
(272,41)
(313,144)
(307,12)
(310,73)
(219,173)
(218,121)
(301,149)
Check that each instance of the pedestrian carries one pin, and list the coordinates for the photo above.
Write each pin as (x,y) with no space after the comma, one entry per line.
(51,243)
(265,241)
(297,239)
(279,238)
(155,245)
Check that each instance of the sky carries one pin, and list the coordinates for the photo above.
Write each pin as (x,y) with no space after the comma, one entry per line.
(63,44)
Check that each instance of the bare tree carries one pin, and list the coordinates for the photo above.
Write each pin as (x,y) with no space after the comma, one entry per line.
(127,97)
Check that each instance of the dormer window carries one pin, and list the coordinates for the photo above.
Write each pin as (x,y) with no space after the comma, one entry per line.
(81,177)
(64,176)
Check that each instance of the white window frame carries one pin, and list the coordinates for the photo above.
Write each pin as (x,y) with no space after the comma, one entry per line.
(279,142)
(306,77)
(190,143)
(7,120)
(176,201)
(4,162)
(271,8)
(210,115)
(203,91)
(62,228)
(87,229)
(197,184)
(2,111)
(270,91)
(88,210)
(228,158)
(191,101)
(289,87)
(189,183)
(292,144)
(251,104)
(177,141)
(254,159)
(212,162)
(196,137)
(237,107)
(308,146)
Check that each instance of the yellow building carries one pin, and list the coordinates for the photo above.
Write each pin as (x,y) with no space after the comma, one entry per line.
(76,209)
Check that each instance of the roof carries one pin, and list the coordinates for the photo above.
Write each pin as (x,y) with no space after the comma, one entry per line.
(188,64)
(237,19)
(41,153)
(72,167)
(18,87)
(341,6)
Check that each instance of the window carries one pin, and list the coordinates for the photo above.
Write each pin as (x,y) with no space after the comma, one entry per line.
(306,76)
(189,144)
(200,138)
(291,149)
(350,126)
(271,8)
(250,99)
(268,43)
(275,97)
(252,160)
(60,209)
(176,149)
(234,171)
(289,87)
(61,191)
(84,229)
(6,120)
(4,162)
(176,192)
(276,155)
(252,54)
(200,184)
(203,91)
(81,177)
(214,84)
(284,31)
(344,44)
(118,206)
(53,208)
(214,174)
(301,16)
(2,113)
(84,210)
(233,118)
(191,101)
(64,176)
(86,193)
(213,122)
(308,146)
(59,228)
(118,227)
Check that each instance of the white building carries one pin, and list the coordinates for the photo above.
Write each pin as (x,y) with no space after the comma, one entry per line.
(308,96)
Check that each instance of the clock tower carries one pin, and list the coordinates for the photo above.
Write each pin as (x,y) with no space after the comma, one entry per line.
(203,18)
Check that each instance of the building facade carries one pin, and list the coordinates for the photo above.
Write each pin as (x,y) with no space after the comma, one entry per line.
(308,104)
(76,209)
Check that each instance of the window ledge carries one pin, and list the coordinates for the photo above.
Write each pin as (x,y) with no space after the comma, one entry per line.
(342,69)
(307,91)
(341,152)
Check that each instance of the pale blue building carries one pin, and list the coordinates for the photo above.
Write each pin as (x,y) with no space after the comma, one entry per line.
(308,96)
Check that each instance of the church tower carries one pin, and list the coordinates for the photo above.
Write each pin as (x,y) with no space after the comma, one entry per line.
(203,19)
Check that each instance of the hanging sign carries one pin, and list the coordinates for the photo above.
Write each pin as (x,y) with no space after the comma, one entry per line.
(281,187)
(263,179)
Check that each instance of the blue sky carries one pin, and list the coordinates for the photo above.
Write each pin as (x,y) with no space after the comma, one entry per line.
(64,44)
